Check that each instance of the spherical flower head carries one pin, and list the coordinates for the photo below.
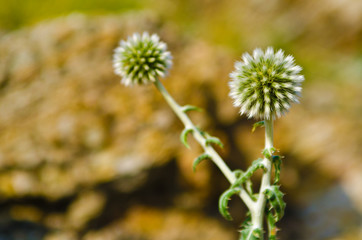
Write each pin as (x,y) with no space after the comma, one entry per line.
(141,59)
(265,84)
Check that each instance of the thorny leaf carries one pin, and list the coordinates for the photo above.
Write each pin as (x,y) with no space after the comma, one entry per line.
(224,200)
(275,202)
(199,159)
(268,152)
(214,140)
(277,162)
(251,233)
(183,136)
(272,228)
(257,124)
(257,164)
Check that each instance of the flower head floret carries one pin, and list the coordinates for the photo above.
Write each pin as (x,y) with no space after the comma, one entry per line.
(265,84)
(141,59)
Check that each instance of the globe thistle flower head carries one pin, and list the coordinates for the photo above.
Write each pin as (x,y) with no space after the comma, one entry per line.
(141,59)
(264,84)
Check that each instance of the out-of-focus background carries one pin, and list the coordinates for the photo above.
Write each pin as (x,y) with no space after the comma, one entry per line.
(83,157)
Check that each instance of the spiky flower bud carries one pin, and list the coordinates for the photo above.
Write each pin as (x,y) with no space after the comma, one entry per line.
(141,59)
(265,84)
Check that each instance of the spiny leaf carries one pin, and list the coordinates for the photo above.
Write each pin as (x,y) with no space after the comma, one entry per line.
(268,152)
(248,184)
(251,233)
(247,221)
(199,159)
(277,161)
(275,202)
(238,173)
(272,228)
(210,139)
(257,124)
(224,200)
(257,164)
(183,136)
(213,140)
(188,108)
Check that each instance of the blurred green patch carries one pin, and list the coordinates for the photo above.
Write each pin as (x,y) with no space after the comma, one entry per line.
(17,13)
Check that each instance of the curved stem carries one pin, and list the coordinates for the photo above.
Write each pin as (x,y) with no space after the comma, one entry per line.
(219,162)
(258,214)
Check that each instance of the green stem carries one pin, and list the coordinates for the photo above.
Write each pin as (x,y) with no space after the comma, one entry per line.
(219,162)
(258,213)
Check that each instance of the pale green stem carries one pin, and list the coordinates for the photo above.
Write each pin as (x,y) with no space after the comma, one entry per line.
(219,162)
(258,212)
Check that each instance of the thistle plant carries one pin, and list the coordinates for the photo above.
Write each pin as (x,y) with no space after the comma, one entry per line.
(263,85)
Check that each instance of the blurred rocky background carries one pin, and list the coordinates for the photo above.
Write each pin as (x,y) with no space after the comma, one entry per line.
(83,157)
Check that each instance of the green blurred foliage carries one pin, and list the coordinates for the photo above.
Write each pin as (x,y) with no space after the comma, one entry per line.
(235,23)
(18,13)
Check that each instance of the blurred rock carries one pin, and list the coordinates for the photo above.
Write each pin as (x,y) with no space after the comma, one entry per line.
(148,223)
(87,206)
(63,125)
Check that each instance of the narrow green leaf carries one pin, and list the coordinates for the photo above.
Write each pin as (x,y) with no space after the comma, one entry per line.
(183,136)
(275,202)
(224,200)
(188,108)
(277,162)
(257,124)
(214,140)
(199,159)
(272,228)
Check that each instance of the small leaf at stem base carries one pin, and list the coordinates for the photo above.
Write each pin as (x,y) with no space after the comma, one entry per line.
(257,124)
(251,233)
(188,108)
(268,152)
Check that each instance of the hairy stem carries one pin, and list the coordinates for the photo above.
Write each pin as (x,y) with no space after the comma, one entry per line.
(258,212)
(219,162)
